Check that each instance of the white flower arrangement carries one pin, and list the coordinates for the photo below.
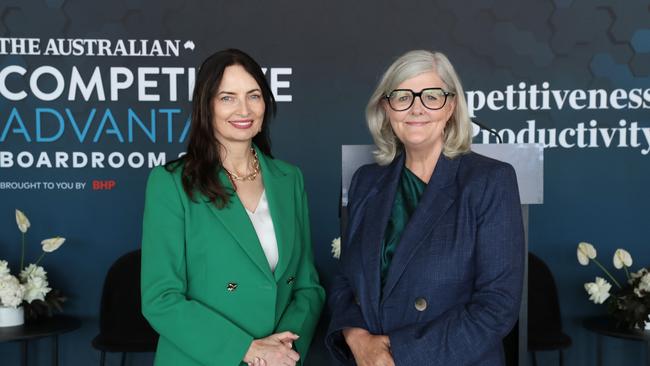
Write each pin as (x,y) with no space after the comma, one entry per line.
(31,286)
(629,304)
(336,247)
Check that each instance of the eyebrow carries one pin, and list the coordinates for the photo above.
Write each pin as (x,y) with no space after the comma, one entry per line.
(233,93)
(414,91)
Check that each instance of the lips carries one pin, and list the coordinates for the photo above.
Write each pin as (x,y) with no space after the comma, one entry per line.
(242,124)
(416,123)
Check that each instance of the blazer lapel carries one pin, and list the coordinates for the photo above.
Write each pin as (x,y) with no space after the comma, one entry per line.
(377,212)
(436,199)
(237,222)
(282,204)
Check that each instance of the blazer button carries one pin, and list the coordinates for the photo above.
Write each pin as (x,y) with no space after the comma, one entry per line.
(420,304)
(231,287)
(290,280)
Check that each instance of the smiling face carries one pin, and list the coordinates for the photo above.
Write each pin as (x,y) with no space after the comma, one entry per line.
(238,107)
(419,127)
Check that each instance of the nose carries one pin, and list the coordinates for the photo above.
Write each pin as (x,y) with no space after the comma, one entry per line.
(417,107)
(243,108)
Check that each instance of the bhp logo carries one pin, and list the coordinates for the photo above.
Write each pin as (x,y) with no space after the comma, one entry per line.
(104,185)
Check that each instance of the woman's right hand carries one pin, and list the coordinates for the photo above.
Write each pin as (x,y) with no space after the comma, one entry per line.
(273,350)
(368,349)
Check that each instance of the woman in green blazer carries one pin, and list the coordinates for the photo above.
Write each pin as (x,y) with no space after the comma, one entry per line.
(227,266)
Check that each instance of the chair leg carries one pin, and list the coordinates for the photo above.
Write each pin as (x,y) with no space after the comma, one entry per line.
(123,359)
(561,358)
(102,359)
(534,359)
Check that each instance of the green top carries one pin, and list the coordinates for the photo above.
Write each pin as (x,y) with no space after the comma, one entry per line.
(408,195)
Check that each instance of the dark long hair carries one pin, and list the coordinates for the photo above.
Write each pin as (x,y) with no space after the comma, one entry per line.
(202,162)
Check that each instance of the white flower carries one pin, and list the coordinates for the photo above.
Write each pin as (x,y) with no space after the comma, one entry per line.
(336,248)
(638,292)
(4,269)
(52,244)
(11,291)
(33,271)
(586,251)
(36,289)
(598,291)
(638,274)
(622,258)
(644,285)
(22,221)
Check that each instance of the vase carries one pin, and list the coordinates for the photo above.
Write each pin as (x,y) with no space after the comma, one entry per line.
(11,317)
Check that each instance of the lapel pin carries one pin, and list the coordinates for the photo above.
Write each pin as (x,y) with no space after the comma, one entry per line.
(231,287)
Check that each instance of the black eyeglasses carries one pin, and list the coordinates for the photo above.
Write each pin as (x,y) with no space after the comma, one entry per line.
(431,98)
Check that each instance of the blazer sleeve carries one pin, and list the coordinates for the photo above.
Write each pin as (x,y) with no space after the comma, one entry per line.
(302,314)
(462,336)
(192,327)
(345,310)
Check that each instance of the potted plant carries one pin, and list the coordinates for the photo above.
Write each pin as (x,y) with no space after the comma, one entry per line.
(28,295)
(629,302)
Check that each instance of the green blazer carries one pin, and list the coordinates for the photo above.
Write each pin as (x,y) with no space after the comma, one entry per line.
(207,288)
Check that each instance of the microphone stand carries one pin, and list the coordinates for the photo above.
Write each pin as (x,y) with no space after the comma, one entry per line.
(486,128)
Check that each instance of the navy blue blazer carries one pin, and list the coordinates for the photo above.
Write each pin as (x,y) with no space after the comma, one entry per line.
(454,285)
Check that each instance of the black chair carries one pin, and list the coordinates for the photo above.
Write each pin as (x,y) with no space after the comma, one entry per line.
(122,327)
(544,320)
(511,346)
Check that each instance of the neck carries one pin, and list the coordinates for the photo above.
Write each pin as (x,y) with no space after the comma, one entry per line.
(422,161)
(236,157)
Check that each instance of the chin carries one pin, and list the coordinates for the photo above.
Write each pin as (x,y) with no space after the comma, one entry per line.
(421,143)
(418,141)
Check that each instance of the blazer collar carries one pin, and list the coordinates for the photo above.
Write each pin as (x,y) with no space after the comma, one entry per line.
(282,203)
(237,222)
(376,215)
(436,199)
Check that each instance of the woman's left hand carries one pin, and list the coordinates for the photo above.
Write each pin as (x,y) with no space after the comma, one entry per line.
(273,350)
(369,349)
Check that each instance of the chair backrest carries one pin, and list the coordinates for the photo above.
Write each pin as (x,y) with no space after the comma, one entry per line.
(544,318)
(120,316)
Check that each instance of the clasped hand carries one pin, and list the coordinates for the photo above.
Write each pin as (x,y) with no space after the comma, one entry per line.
(274,350)
(368,349)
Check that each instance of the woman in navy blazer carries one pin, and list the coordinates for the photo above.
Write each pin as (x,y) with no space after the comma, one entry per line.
(432,259)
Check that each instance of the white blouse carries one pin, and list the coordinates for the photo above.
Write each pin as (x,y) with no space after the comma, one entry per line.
(263,225)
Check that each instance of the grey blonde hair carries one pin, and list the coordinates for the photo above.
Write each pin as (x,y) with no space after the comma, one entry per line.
(458,132)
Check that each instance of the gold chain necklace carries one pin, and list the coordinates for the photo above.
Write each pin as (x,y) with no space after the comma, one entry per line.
(252,175)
